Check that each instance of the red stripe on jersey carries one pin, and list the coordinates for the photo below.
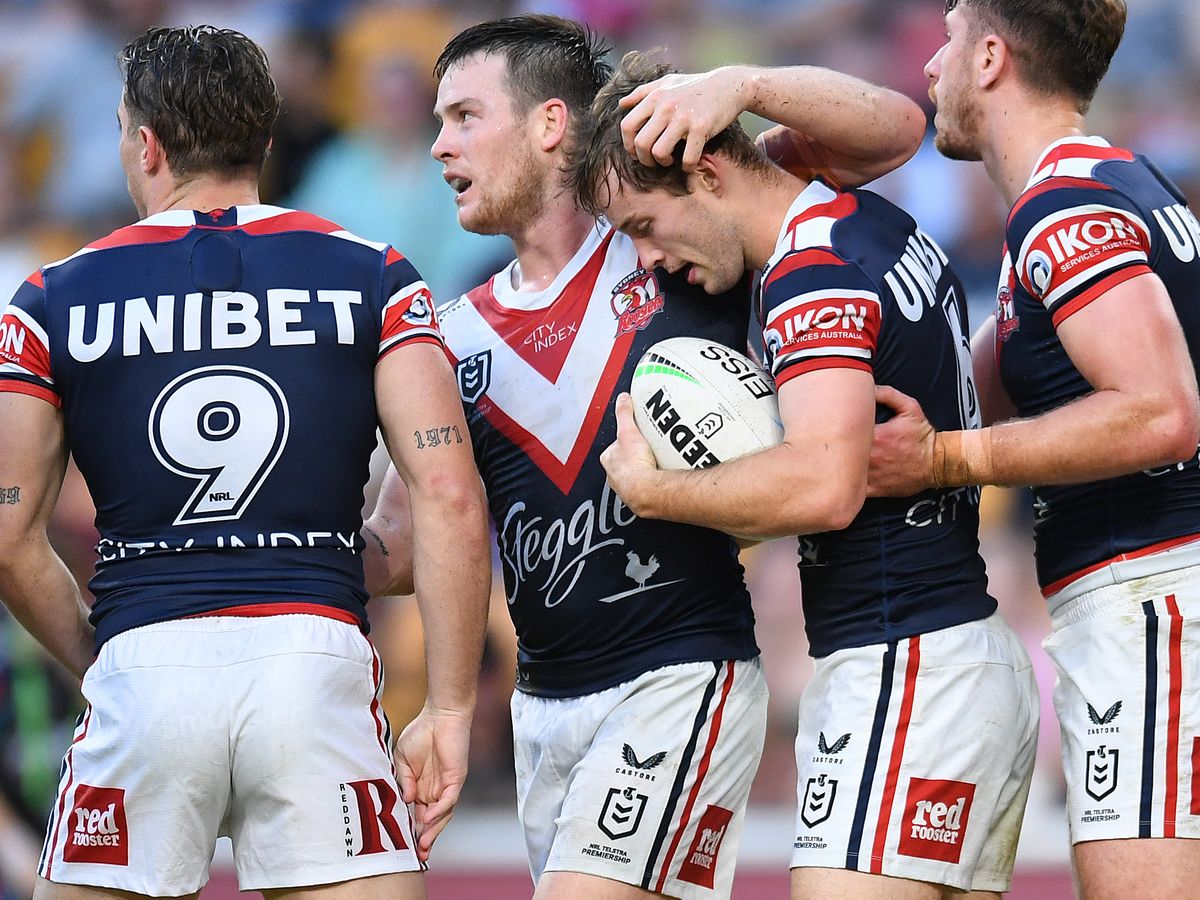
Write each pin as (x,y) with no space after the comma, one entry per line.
(393,256)
(815,365)
(1053,184)
(893,775)
(62,797)
(262,610)
(814,256)
(1174,692)
(20,345)
(1084,151)
(839,208)
(32,390)
(140,234)
(413,312)
(1097,290)
(36,279)
(527,331)
(701,771)
(563,474)
(1055,587)
(294,220)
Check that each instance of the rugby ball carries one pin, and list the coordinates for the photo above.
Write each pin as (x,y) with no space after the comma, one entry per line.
(699,403)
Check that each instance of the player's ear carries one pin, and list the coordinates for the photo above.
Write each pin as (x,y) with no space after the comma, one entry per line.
(708,175)
(153,157)
(991,57)
(553,123)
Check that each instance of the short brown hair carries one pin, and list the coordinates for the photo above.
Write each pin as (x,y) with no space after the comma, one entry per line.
(1060,46)
(596,147)
(206,93)
(545,56)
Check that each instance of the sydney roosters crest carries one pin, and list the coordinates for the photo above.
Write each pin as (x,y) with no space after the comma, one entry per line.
(1007,320)
(636,300)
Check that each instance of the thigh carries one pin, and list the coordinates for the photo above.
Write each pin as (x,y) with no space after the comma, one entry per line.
(315,799)
(659,797)
(842,884)
(1120,869)
(145,782)
(1128,703)
(914,758)
(401,886)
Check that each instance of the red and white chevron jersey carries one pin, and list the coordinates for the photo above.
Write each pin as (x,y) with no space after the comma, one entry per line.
(597,595)
(1092,217)
(216,377)
(854,283)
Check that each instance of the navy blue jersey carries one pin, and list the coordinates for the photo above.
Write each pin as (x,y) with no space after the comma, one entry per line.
(597,595)
(216,377)
(1092,217)
(854,283)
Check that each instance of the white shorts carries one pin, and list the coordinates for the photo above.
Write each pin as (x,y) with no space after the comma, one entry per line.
(268,730)
(914,758)
(1128,702)
(644,783)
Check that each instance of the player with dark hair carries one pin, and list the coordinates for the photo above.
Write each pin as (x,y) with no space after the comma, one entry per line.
(218,371)
(640,705)
(911,783)
(1088,385)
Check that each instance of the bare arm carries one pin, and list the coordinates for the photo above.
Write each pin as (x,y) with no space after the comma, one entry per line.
(387,556)
(427,437)
(35,584)
(994,403)
(1143,410)
(841,126)
(814,481)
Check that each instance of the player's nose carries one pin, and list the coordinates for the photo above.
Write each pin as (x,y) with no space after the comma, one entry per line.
(442,149)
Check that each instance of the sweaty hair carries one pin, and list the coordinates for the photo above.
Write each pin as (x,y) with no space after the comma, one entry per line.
(596,147)
(206,93)
(1060,46)
(546,57)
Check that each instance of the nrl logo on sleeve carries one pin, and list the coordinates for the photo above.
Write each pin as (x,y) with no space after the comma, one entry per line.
(474,376)
(636,300)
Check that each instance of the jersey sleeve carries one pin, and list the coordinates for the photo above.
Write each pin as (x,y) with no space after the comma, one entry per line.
(24,344)
(818,312)
(408,314)
(1076,239)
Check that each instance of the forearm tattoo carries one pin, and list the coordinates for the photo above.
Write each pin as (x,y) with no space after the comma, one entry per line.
(10,495)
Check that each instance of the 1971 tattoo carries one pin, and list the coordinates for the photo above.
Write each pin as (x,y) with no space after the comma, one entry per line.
(437,437)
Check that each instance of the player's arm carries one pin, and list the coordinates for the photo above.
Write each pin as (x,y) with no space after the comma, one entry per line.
(833,125)
(1143,410)
(994,403)
(35,584)
(423,425)
(814,481)
(387,535)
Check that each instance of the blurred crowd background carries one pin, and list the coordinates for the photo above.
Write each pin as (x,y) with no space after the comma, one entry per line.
(352,145)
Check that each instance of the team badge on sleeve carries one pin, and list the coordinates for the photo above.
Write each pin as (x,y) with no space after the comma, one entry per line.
(409,315)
